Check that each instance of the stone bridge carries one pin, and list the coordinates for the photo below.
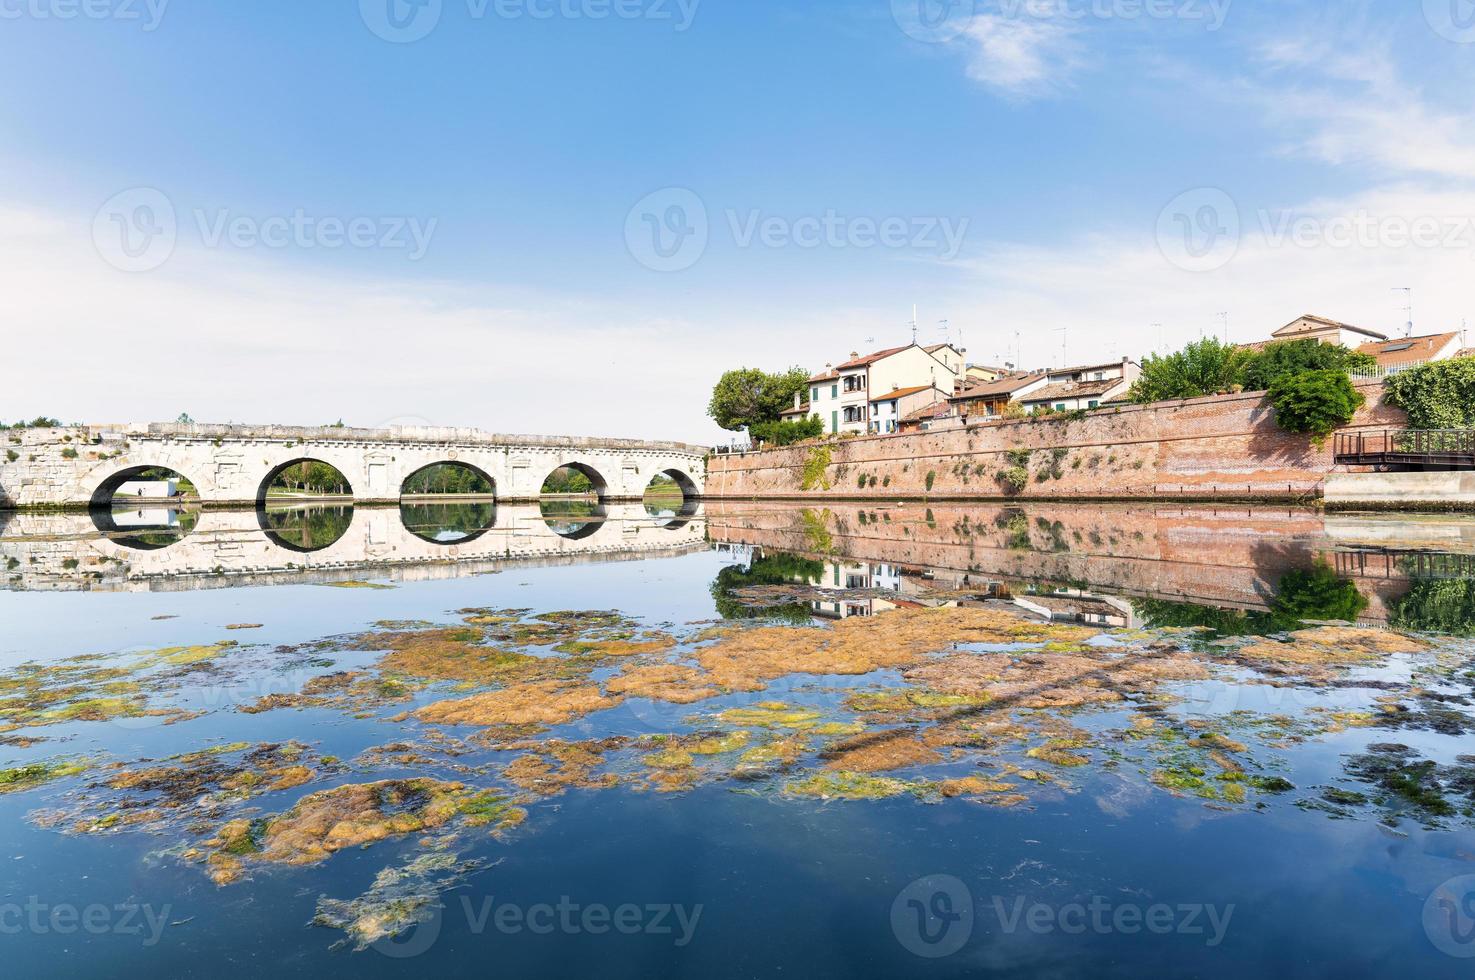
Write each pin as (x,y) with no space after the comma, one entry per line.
(69,552)
(232,465)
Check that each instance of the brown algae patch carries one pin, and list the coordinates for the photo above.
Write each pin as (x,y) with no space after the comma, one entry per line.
(549,768)
(673,683)
(879,751)
(355,815)
(1329,646)
(535,703)
(748,660)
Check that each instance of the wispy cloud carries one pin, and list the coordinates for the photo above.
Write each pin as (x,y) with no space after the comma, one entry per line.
(1348,104)
(1024,57)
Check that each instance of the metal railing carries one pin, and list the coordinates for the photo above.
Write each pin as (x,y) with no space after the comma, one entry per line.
(1426,447)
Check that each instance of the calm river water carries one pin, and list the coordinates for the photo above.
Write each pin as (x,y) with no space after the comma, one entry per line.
(737,741)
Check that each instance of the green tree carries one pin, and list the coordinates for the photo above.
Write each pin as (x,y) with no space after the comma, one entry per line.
(1436,396)
(749,397)
(1291,356)
(1204,367)
(1314,402)
(184,419)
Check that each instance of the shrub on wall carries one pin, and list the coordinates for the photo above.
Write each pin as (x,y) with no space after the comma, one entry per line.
(816,462)
(787,432)
(1436,396)
(1014,479)
(1314,402)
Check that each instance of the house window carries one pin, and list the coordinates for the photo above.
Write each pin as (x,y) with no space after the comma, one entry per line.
(1060,407)
(814,393)
(1100,375)
(834,391)
(1093,403)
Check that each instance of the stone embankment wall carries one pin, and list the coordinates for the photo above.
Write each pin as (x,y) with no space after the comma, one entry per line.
(1224,447)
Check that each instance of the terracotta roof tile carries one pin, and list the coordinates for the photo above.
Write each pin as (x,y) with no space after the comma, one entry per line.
(1409,350)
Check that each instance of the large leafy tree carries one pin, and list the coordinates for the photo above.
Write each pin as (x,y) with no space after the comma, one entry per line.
(749,397)
(1204,367)
(1292,356)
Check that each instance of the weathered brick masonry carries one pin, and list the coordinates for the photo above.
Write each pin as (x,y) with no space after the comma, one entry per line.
(1226,447)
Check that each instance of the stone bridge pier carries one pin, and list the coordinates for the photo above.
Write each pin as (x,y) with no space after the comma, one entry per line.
(232,465)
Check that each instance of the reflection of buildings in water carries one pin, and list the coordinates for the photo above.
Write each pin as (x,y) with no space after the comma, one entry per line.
(1076,606)
(151,518)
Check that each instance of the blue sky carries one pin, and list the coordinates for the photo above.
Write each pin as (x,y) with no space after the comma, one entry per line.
(1047,137)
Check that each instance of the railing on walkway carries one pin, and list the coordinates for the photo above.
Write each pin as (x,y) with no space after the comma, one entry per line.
(1437,448)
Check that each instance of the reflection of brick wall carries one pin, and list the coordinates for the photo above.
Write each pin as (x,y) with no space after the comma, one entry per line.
(1227,446)
(1226,556)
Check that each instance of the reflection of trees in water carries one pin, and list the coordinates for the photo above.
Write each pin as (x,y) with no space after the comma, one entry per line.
(776,568)
(572,518)
(307,528)
(1444,606)
(1301,594)
(448,523)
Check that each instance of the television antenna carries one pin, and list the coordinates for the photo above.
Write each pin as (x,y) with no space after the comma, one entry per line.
(1224,325)
(1158,329)
(913,323)
(1408,308)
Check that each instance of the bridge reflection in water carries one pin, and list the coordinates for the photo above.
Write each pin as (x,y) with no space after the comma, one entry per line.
(168,548)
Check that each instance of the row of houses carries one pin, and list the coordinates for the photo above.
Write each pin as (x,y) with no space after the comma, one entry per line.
(914,387)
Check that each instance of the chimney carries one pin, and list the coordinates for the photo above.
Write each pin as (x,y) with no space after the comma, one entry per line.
(854,354)
(797,402)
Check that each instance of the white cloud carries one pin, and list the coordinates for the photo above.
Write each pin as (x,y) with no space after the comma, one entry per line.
(1022,56)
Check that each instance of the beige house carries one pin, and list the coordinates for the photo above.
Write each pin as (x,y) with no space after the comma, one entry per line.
(841,394)
(1320,328)
(889,409)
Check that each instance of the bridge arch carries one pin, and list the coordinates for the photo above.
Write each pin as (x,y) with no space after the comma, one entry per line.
(427,474)
(344,488)
(103,494)
(600,484)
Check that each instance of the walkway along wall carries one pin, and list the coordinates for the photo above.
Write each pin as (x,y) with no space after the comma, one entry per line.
(1224,447)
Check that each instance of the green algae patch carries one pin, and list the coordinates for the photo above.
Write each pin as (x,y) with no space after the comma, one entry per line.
(489,808)
(848,786)
(22,778)
(1057,756)
(773,714)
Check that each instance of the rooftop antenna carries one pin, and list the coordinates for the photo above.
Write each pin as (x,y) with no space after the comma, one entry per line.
(1159,328)
(914,323)
(1408,308)
(1224,325)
